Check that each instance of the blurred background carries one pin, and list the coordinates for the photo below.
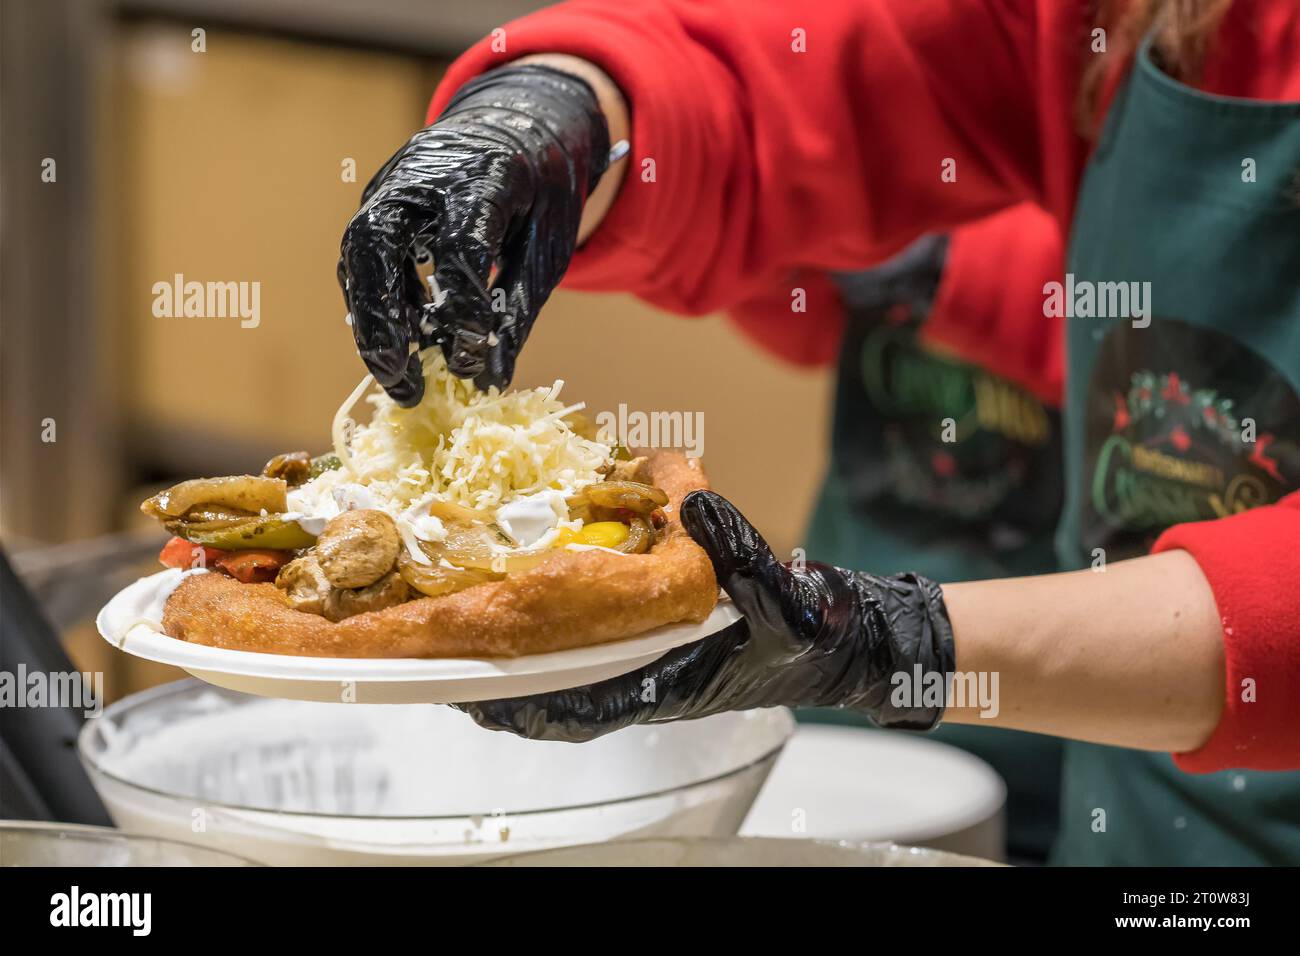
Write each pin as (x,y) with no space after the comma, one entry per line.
(130,157)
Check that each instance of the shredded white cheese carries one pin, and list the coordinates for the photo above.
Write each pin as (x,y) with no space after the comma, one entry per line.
(339,427)
(471,448)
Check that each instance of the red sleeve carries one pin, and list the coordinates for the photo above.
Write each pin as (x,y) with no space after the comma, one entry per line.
(1252,563)
(751,160)
(989,305)
(988,308)
(799,321)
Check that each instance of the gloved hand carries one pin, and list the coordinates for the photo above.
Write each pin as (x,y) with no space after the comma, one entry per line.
(818,636)
(500,180)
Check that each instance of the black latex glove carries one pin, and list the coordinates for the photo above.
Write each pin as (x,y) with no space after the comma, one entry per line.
(818,636)
(499,180)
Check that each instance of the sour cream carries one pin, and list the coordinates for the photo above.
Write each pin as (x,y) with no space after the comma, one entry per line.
(313,507)
(425,526)
(141,603)
(415,524)
(529,519)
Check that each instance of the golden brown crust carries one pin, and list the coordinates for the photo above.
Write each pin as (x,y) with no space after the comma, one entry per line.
(575,599)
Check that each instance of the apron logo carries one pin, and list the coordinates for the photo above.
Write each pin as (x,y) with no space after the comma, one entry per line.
(1163,450)
(910,383)
(1082,299)
(941,435)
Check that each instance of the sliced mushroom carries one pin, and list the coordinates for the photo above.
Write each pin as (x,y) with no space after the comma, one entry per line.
(635,469)
(293,466)
(358,548)
(388,591)
(304,584)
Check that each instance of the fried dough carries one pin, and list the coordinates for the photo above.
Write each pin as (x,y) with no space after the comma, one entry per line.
(574,599)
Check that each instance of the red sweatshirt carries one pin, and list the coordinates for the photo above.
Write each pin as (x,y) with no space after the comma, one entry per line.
(978,311)
(755,168)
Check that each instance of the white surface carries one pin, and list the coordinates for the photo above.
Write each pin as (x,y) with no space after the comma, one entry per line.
(390,680)
(291,782)
(848,783)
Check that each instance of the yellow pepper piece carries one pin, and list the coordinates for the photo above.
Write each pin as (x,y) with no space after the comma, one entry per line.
(603,534)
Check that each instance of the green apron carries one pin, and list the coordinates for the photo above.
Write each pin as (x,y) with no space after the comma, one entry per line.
(982,504)
(1156,415)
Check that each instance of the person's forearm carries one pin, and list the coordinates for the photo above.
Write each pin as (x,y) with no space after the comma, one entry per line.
(614,106)
(1130,656)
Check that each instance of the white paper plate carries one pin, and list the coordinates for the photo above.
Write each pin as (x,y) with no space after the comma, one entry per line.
(404,680)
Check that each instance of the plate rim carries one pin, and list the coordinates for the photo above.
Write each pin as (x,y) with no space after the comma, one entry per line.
(147,640)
